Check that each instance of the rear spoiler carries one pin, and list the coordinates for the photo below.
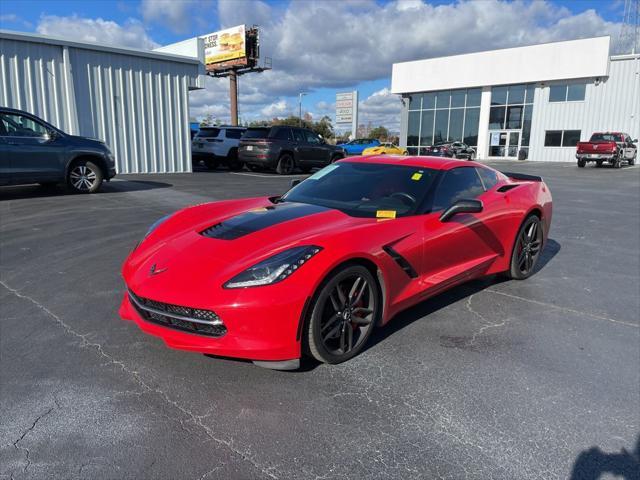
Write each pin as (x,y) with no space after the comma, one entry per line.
(523,176)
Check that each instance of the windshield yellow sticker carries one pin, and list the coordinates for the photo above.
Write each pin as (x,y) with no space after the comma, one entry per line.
(416,176)
(386,214)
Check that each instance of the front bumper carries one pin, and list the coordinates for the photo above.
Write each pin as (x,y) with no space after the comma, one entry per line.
(255,329)
(111,173)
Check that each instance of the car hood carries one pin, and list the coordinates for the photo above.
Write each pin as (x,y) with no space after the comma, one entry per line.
(216,241)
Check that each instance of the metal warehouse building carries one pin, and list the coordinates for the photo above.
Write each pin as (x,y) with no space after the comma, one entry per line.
(532,102)
(137,101)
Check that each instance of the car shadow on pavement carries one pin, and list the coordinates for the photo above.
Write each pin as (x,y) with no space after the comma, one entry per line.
(452,296)
(593,464)
(18,192)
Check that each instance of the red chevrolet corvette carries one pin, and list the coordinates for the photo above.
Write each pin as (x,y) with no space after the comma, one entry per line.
(312,272)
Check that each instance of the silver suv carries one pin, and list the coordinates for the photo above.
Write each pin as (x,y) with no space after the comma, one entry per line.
(217,145)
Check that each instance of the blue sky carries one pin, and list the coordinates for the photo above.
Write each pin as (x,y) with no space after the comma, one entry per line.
(317,46)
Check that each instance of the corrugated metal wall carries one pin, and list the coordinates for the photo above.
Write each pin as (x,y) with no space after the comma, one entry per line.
(138,105)
(613,105)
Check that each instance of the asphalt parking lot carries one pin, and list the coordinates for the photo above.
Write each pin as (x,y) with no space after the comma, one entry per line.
(512,380)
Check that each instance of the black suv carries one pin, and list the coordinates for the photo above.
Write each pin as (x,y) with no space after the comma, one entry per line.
(33,151)
(284,148)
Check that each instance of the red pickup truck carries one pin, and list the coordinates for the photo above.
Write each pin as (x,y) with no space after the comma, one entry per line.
(612,147)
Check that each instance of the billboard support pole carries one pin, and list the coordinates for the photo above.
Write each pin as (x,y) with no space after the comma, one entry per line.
(354,126)
(233,93)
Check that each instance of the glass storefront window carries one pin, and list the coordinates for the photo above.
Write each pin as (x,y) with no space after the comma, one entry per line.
(428,101)
(530,93)
(473,97)
(426,131)
(415,101)
(496,118)
(456,120)
(526,124)
(514,117)
(457,98)
(441,124)
(516,94)
(499,95)
(442,99)
(413,129)
(576,92)
(557,93)
(471,123)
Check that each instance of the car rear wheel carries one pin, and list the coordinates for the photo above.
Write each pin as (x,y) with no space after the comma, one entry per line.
(617,163)
(344,313)
(285,164)
(84,177)
(527,248)
(581,162)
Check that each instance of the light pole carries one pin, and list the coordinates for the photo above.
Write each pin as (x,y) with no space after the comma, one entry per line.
(300,95)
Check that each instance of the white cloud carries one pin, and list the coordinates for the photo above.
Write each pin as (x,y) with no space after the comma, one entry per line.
(381,108)
(132,34)
(177,15)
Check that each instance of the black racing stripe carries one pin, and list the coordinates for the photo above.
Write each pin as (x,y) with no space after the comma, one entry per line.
(255,220)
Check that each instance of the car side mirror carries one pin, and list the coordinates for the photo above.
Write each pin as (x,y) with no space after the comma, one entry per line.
(295,182)
(635,140)
(51,135)
(461,206)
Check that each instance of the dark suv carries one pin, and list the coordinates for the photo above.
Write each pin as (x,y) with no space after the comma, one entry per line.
(33,151)
(284,148)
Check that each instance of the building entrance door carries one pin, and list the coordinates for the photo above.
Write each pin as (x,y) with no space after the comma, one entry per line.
(504,143)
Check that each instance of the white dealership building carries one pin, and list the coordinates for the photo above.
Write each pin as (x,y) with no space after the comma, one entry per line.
(532,102)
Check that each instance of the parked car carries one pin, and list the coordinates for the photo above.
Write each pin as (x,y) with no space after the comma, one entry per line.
(385,149)
(357,146)
(314,271)
(452,150)
(217,145)
(34,151)
(611,147)
(284,148)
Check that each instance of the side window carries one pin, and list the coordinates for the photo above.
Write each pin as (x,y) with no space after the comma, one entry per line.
(489,177)
(311,137)
(298,135)
(233,133)
(459,183)
(21,126)
(283,134)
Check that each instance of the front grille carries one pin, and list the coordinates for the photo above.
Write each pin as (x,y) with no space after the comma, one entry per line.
(187,319)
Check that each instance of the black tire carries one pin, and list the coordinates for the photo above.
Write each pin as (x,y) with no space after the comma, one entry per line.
(598,163)
(335,158)
(581,162)
(211,163)
(527,248)
(84,176)
(632,160)
(285,165)
(344,312)
(233,163)
(617,161)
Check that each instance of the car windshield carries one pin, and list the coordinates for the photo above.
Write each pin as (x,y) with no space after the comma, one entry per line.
(256,133)
(366,189)
(605,137)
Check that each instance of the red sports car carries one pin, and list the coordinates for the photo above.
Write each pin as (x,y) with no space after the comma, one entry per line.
(313,271)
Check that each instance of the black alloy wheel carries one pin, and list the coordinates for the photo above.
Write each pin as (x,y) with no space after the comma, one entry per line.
(344,314)
(84,177)
(527,248)
(285,164)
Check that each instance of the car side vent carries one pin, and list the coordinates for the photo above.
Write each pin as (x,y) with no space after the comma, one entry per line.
(510,186)
(402,262)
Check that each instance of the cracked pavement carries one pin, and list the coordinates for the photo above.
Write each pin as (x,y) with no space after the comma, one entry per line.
(492,380)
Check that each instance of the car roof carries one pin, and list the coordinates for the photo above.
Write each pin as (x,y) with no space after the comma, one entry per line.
(435,163)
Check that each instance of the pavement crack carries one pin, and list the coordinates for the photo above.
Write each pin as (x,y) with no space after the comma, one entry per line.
(85,343)
(487,324)
(563,309)
(25,433)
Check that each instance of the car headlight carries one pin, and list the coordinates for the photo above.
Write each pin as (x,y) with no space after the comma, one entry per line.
(273,269)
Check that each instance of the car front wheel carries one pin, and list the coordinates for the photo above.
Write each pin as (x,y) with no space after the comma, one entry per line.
(84,177)
(344,313)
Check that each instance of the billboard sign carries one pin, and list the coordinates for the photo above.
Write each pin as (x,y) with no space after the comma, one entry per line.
(345,106)
(225,48)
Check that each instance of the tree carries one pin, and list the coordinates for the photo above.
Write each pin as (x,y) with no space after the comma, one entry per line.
(380,133)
